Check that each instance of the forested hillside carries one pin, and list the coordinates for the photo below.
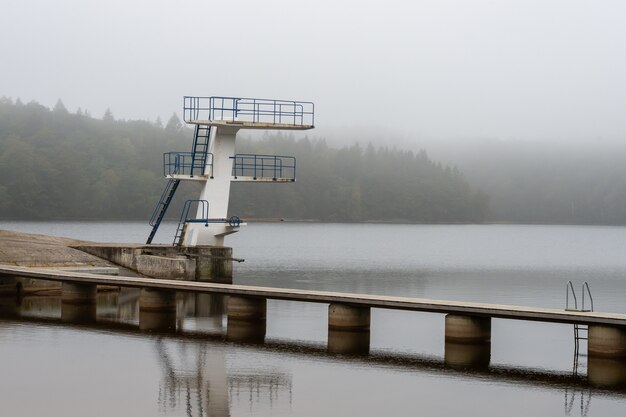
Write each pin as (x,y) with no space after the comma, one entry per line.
(560,182)
(60,165)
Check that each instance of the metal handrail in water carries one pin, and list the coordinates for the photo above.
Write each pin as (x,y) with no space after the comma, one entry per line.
(255,110)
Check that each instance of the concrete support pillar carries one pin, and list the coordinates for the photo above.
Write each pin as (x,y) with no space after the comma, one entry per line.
(157,310)
(348,329)
(467,356)
(78,302)
(246,309)
(606,373)
(246,319)
(607,341)
(468,329)
(348,318)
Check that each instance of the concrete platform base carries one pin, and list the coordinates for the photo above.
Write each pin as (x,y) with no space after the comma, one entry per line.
(467,329)
(209,263)
(178,267)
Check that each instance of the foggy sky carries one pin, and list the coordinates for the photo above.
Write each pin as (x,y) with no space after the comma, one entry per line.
(535,70)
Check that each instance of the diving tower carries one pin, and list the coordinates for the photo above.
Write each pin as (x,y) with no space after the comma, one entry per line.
(213,162)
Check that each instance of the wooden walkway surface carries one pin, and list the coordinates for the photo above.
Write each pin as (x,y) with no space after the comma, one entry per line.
(364,300)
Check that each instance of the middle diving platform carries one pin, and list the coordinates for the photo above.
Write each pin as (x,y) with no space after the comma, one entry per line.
(213,161)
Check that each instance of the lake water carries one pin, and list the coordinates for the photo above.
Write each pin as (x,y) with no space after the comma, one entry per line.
(112,368)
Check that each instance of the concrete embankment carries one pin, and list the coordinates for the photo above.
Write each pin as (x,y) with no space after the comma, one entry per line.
(25,249)
(202,263)
(41,251)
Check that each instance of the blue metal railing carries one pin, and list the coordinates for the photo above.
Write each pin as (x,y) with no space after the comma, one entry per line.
(182,163)
(179,236)
(184,218)
(285,112)
(264,166)
(164,202)
(161,208)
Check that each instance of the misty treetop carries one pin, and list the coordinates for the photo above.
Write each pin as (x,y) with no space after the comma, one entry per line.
(59,165)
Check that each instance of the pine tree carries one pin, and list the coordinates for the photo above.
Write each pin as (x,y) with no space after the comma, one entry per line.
(173,124)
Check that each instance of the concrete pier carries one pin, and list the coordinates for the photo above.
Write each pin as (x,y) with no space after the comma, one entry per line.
(157,310)
(607,341)
(467,329)
(466,323)
(348,329)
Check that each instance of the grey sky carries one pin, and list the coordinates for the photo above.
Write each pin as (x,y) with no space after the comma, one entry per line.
(430,69)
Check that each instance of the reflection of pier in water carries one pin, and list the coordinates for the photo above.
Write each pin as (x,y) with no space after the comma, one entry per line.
(198,371)
(195,378)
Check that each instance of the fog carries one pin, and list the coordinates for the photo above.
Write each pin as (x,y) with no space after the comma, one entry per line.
(417,70)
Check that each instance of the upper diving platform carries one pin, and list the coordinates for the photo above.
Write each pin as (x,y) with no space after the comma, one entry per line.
(249,113)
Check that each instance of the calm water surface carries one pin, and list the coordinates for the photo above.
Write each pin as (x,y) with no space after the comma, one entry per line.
(111,368)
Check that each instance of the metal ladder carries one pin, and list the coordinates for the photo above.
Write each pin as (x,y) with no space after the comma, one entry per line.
(161,207)
(199,150)
(179,237)
(581,331)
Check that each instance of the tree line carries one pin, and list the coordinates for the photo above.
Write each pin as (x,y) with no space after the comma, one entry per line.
(60,165)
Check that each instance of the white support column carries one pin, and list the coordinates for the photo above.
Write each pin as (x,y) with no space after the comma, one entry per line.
(216,191)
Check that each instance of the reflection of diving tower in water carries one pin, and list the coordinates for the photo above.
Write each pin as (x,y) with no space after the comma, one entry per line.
(213,162)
